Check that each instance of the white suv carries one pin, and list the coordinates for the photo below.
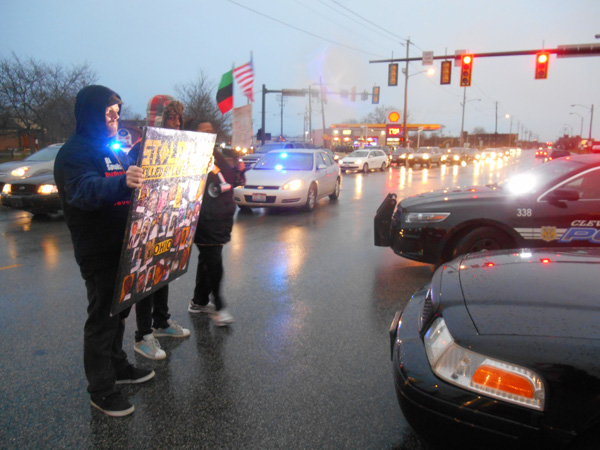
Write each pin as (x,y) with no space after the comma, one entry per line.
(365,159)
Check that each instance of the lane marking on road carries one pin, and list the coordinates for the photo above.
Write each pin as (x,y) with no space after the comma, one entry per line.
(11,267)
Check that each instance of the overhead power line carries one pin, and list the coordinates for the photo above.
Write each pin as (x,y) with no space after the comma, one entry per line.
(301,30)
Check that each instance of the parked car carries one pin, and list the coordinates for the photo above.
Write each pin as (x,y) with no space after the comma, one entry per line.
(295,178)
(500,351)
(251,158)
(425,156)
(36,194)
(40,162)
(556,204)
(365,159)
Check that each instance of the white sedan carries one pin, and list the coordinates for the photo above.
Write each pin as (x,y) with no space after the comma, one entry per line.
(294,178)
(365,160)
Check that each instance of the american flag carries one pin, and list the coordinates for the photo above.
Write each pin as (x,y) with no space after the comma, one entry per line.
(244,76)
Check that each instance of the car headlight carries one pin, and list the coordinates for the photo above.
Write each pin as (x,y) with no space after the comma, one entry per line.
(425,156)
(358,162)
(456,157)
(20,171)
(293,185)
(403,156)
(425,217)
(479,373)
(46,189)
(410,156)
(6,189)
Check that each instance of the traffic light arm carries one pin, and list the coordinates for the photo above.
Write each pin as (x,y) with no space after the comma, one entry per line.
(562,51)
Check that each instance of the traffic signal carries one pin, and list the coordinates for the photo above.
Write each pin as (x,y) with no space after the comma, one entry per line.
(541,65)
(393,75)
(375,97)
(364,96)
(446,72)
(466,67)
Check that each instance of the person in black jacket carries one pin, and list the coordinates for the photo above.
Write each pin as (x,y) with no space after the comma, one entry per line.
(213,231)
(94,185)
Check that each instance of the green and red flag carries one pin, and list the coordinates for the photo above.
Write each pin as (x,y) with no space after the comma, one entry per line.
(225,92)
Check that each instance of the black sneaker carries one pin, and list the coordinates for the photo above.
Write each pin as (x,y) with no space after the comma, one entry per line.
(134,375)
(114,405)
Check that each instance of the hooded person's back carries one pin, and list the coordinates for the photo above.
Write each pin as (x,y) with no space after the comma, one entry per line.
(94,195)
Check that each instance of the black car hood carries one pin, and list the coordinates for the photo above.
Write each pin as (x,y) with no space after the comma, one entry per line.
(533,293)
(453,194)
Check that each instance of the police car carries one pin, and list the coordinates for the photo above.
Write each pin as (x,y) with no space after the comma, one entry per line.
(552,205)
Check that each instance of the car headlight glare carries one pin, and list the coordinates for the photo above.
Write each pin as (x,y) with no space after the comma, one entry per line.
(19,171)
(46,189)
(410,156)
(6,188)
(425,156)
(426,217)
(293,185)
(479,373)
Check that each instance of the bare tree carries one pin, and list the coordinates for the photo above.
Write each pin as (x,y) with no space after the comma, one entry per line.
(37,99)
(379,114)
(199,98)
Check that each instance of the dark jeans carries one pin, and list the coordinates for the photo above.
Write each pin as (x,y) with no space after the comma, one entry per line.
(209,275)
(103,354)
(153,308)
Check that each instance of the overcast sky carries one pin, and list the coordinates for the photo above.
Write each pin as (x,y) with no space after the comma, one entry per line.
(143,48)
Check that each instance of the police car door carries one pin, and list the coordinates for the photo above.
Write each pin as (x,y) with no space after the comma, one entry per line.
(324,173)
(574,219)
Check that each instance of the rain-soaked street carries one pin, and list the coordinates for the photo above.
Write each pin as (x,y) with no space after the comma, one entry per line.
(305,365)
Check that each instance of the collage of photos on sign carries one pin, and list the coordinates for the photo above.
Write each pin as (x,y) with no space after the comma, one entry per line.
(162,227)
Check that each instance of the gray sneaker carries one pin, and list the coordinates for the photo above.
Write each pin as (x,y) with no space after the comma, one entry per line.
(222,318)
(150,348)
(200,309)
(174,330)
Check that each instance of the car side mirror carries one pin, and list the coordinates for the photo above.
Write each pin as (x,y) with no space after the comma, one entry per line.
(569,195)
(321,166)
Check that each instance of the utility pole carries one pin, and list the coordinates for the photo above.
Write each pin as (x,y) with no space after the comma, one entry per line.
(404,131)
(322,104)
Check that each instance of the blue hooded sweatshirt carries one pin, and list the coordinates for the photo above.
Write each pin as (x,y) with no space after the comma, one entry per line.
(90,177)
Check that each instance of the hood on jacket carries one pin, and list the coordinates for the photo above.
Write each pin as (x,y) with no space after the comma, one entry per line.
(159,107)
(90,110)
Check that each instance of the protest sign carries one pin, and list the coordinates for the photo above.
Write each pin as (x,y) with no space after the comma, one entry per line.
(164,212)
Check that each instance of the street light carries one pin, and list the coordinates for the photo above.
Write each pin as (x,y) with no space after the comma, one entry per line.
(510,128)
(581,132)
(462,124)
(591,117)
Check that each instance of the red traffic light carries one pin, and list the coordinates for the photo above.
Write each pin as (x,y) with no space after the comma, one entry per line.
(466,68)
(541,65)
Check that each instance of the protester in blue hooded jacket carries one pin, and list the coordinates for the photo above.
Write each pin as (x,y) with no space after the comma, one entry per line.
(95,184)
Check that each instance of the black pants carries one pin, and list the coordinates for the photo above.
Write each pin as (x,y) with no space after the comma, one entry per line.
(209,275)
(153,308)
(103,354)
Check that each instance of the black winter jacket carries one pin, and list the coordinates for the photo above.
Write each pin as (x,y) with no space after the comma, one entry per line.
(216,214)
(90,178)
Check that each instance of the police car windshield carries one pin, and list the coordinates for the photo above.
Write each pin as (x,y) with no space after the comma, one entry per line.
(285,161)
(530,180)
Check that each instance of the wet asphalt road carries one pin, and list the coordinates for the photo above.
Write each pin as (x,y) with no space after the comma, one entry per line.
(306,364)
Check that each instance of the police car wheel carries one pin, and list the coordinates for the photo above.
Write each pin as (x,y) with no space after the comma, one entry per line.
(486,238)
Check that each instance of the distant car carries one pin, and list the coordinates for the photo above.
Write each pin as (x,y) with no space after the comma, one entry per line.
(451,155)
(40,162)
(470,155)
(541,153)
(500,351)
(400,155)
(37,194)
(558,153)
(295,178)
(251,158)
(425,156)
(556,204)
(365,160)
